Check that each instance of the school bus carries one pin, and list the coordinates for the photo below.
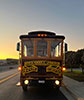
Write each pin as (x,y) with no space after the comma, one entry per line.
(41,59)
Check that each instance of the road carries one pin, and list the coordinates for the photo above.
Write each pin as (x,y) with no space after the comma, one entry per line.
(7,67)
(9,90)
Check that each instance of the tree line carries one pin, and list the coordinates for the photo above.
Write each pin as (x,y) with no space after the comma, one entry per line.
(75,59)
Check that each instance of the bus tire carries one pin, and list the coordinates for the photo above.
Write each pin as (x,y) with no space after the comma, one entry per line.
(56,89)
(24,87)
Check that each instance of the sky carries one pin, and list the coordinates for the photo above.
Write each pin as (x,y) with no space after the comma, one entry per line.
(65,17)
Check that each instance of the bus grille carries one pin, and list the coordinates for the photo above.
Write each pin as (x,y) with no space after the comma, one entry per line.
(41,69)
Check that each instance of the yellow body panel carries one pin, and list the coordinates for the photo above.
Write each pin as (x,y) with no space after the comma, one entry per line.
(51,66)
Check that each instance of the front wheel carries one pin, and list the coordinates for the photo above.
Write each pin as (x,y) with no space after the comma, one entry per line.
(56,89)
(24,87)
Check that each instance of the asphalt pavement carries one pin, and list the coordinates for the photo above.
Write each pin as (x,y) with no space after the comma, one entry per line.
(7,67)
(9,91)
(5,74)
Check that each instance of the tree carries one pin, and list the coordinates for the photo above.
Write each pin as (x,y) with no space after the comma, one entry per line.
(69,59)
(78,56)
(75,59)
(82,65)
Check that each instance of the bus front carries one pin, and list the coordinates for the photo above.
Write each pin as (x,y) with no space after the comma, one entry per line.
(41,59)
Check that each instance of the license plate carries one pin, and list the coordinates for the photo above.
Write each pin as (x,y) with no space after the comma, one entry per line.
(41,81)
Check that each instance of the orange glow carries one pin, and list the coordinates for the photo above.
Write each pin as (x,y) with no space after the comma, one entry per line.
(42,35)
(45,35)
(39,35)
(19,68)
(63,68)
(8,50)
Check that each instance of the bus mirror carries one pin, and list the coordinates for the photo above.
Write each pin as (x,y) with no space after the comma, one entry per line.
(18,46)
(66,49)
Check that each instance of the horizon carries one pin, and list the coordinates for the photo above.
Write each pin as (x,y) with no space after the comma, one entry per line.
(60,16)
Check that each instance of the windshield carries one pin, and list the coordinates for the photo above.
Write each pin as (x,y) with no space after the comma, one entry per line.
(42,48)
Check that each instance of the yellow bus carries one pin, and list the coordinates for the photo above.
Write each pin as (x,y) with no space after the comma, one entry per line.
(41,59)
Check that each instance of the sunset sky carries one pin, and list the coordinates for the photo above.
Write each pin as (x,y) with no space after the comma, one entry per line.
(65,17)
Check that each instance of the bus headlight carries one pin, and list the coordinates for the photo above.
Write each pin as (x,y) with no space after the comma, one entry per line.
(57,82)
(26,82)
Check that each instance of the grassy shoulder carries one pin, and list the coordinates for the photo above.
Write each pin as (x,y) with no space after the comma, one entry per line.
(77,75)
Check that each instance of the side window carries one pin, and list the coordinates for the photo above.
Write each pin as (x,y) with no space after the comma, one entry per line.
(55,49)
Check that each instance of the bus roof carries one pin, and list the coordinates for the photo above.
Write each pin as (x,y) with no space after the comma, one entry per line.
(42,34)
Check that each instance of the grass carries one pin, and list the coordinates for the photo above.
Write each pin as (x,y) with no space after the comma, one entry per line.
(77,75)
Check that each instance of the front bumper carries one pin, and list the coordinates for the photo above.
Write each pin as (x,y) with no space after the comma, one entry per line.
(47,81)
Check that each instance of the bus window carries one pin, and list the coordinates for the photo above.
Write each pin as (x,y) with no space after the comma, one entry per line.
(55,49)
(28,48)
(42,48)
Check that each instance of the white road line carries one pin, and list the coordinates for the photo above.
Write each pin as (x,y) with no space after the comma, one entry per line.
(5,79)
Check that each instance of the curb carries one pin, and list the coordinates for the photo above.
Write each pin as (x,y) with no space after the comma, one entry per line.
(74,96)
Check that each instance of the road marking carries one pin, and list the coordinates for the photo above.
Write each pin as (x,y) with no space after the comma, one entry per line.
(1,81)
(18,84)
